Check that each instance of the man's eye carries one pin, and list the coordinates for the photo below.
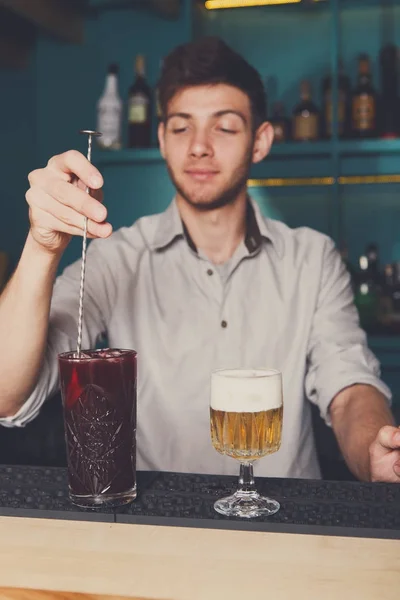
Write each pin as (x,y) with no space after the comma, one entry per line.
(225,130)
(178,129)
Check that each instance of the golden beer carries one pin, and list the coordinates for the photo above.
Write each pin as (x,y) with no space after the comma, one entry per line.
(246,414)
(246,435)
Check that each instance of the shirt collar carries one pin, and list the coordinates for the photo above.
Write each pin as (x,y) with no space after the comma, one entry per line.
(171,228)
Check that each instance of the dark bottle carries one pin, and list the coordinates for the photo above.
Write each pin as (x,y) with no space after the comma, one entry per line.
(344,104)
(389,104)
(280,123)
(305,116)
(396,288)
(139,108)
(386,301)
(373,272)
(364,102)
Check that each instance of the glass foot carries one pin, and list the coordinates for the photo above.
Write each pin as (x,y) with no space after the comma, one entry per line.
(103,500)
(247,505)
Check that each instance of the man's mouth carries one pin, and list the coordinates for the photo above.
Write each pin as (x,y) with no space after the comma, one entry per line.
(201,174)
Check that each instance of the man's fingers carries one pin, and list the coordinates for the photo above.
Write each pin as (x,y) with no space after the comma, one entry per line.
(396,468)
(71,224)
(49,189)
(389,437)
(95,193)
(74,163)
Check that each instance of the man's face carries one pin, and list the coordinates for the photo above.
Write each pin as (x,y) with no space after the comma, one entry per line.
(208,144)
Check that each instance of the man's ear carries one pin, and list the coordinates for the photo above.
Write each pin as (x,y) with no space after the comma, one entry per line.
(263,141)
(160,133)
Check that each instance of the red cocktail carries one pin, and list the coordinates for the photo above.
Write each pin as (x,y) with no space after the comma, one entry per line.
(99,397)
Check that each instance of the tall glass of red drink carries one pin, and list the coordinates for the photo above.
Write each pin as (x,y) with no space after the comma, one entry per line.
(98,389)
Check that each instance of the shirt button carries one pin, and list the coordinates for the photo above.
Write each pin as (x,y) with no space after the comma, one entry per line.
(210,272)
(224,324)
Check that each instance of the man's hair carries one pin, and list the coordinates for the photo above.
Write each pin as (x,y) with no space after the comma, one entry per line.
(209,61)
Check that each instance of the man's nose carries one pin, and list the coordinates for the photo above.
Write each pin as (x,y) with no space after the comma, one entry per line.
(200,145)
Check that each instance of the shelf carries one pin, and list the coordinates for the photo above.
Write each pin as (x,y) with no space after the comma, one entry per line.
(345,148)
(127,156)
(293,149)
(290,149)
(370,146)
(299,164)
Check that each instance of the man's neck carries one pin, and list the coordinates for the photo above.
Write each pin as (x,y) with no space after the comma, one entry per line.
(219,232)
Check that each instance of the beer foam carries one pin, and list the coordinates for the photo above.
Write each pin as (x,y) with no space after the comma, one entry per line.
(246,390)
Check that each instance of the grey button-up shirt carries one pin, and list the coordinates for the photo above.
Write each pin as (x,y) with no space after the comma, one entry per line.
(283,301)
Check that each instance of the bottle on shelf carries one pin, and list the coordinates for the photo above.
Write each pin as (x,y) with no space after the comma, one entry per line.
(139,108)
(280,123)
(109,112)
(305,116)
(366,297)
(389,105)
(343,102)
(396,289)
(364,101)
(386,301)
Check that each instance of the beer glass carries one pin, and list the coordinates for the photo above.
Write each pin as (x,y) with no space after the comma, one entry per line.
(246,412)
(98,389)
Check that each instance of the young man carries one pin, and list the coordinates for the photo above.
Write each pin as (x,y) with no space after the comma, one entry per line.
(208,284)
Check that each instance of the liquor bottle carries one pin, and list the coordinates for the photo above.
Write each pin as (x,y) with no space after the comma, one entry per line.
(139,108)
(386,312)
(396,288)
(305,116)
(109,112)
(366,297)
(364,101)
(389,105)
(343,103)
(280,123)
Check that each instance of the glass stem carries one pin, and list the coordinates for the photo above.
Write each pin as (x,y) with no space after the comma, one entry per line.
(246,479)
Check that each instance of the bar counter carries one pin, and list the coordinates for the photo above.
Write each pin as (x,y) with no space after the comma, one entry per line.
(329,540)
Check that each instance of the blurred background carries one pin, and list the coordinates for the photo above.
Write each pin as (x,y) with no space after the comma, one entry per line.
(330,69)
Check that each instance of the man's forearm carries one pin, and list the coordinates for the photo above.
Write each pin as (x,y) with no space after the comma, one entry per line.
(24,314)
(358,413)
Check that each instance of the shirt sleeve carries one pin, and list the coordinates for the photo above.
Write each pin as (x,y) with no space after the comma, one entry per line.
(63,327)
(338,354)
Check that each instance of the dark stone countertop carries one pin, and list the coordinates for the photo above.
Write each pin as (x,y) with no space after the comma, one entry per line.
(178,499)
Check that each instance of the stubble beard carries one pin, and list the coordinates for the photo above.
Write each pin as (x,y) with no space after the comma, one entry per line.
(224,197)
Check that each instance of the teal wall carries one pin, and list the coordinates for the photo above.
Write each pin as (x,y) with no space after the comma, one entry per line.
(286,44)
(18,133)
